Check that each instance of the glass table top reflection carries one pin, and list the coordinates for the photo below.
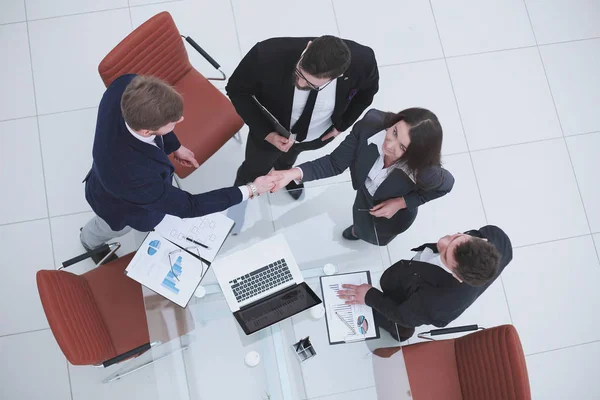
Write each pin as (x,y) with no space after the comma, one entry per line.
(206,352)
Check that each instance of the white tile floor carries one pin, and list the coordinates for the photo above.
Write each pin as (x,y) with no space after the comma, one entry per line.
(515,85)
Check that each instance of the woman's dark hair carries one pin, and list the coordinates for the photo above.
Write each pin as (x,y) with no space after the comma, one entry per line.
(326,57)
(425,137)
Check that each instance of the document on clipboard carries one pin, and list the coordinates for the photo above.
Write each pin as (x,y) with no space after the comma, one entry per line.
(347,322)
(276,124)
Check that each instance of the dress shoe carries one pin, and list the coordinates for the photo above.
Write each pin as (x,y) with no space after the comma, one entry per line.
(405,333)
(295,190)
(348,235)
(96,258)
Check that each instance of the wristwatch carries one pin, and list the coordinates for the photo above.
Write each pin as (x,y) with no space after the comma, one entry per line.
(253,190)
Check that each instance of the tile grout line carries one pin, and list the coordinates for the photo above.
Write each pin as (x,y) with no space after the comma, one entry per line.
(39,135)
(237,32)
(49,217)
(587,219)
(69,376)
(90,12)
(562,348)
(51,113)
(129,10)
(24,332)
(467,144)
(553,240)
(338,393)
(337,24)
(459,113)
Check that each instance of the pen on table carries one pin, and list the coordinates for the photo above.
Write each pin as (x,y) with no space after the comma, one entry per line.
(346,323)
(198,243)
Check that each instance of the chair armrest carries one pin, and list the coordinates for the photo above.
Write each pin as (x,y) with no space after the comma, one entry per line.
(208,58)
(90,253)
(128,354)
(446,331)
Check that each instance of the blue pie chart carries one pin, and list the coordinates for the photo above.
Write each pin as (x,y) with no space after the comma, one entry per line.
(153,247)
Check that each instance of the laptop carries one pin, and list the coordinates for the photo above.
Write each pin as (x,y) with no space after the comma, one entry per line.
(263,284)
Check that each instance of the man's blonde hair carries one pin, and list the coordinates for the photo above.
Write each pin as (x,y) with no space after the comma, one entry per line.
(150,103)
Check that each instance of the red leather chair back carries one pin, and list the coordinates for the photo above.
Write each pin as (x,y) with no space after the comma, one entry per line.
(74,318)
(154,48)
(491,365)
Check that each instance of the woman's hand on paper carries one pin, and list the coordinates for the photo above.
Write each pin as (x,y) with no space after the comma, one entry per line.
(354,294)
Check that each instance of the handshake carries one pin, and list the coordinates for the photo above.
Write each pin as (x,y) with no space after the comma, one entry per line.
(275,180)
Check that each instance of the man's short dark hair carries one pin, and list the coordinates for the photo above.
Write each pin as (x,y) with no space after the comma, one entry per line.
(326,57)
(476,261)
(150,103)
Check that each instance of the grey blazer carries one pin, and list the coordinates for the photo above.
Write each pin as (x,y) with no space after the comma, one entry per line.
(357,154)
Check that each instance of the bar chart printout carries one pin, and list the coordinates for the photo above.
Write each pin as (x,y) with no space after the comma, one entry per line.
(170,281)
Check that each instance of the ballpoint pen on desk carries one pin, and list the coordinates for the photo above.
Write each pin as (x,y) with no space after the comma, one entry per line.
(346,323)
(198,243)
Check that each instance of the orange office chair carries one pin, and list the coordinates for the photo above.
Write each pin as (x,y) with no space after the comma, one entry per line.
(156,48)
(488,364)
(99,317)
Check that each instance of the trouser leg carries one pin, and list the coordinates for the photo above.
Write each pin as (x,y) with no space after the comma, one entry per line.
(97,232)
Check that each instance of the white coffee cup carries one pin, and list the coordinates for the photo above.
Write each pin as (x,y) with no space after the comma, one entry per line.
(200,292)
(252,359)
(329,269)
(318,311)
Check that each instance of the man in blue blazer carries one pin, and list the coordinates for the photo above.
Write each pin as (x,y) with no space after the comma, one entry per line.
(130,183)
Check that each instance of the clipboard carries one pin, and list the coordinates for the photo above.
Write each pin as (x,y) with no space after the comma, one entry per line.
(276,124)
(328,283)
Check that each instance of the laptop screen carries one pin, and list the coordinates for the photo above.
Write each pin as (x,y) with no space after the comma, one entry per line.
(276,307)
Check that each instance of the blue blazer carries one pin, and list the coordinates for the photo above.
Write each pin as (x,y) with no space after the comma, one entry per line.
(130,183)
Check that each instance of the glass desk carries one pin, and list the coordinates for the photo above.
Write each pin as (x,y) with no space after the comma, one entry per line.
(208,361)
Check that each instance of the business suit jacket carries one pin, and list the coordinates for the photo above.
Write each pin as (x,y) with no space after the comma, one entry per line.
(267,72)
(130,183)
(418,293)
(357,154)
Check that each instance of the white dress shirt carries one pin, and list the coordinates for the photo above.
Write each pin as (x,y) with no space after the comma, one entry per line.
(321,116)
(150,140)
(428,256)
(145,139)
(378,173)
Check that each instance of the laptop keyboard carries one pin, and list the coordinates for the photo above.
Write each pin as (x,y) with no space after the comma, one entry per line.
(261,280)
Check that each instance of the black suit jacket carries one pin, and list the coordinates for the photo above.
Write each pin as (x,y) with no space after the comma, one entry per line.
(418,293)
(267,72)
(130,183)
(356,153)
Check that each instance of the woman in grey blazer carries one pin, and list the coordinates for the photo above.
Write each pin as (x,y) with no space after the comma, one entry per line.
(394,162)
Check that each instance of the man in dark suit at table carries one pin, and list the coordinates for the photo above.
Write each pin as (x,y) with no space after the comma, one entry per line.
(440,282)
(315,87)
(130,183)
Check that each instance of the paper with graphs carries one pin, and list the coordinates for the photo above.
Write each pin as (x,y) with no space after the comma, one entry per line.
(205,234)
(345,322)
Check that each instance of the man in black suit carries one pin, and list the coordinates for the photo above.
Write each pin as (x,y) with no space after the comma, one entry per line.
(441,281)
(316,87)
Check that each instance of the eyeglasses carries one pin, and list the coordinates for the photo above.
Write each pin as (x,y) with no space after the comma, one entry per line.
(173,264)
(299,74)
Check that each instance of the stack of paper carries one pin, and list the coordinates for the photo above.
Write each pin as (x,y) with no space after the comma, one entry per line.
(175,257)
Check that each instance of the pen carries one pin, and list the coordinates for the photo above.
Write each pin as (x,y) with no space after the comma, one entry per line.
(198,243)
(346,323)
(363,209)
